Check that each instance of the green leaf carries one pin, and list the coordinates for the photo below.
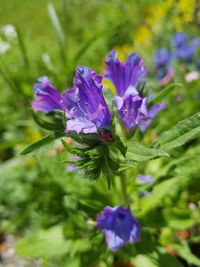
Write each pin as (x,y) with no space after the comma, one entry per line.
(163,94)
(22,47)
(69,148)
(178,219)
(58,31)
(180,134)
(137,152)
(159,192)
(44,243)
(43,145)
(185,252)
(144,260)
(47,124)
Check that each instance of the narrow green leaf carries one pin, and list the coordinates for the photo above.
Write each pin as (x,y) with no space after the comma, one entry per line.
(45,144)
(58,30)
(163,94)
(68,147)
(180,134)
(46,124)
(22,47)
(137,152)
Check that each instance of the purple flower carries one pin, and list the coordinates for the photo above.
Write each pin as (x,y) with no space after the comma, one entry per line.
(162,60)
(162,57)
(179,39)
(86,109)
(131,107)
(119,226)
(185,46)
(145,178)
(196,42)
(124,75)
(185,52)
(48,99)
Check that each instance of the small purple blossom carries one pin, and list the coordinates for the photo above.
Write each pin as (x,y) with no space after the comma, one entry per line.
(162,57)
(70,166)
(124,75)
(85,106)
(119,226)
(185,53)
(132,109)
(145,178)
(179,39)
(162,60)
(185,46)
(47,98)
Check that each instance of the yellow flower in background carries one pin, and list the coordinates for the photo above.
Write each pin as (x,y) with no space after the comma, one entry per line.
(186,7)
(178,22)
(109,85)
(31,135)
(158,11)
(30,160)
(123,51)
(143,34)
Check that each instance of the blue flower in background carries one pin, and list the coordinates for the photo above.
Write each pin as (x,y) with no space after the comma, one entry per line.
(119,226)
(162,60)
(179,39)
(185,53)
(85,106)
(70,166)
(47,98)
(162,57)
(185,47)
(145,178)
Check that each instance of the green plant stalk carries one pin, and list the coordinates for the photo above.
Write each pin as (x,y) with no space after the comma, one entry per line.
(122,177)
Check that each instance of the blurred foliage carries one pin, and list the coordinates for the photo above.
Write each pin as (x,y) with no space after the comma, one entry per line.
(55,209)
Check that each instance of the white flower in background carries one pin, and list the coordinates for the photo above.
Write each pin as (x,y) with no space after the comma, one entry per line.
(192,76)
(9,31)
(47,60)
(4,47)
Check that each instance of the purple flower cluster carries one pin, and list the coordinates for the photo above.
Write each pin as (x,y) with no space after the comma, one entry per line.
(84,105)
(119,226)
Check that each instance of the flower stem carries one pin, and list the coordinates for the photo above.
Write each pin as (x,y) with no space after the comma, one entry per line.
(122,177)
